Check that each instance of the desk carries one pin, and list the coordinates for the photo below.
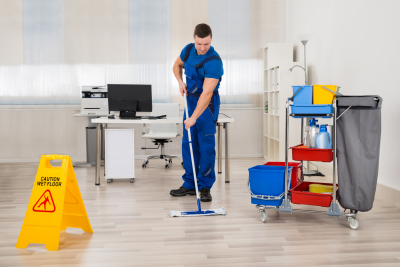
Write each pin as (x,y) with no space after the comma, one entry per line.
(222,121)
(90,142)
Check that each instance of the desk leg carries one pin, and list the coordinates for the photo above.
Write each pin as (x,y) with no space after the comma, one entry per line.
(98,152)
(219,148)
(103,146)
(227,173)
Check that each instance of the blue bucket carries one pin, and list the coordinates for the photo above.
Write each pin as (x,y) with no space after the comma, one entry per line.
(267,184)
(304,96)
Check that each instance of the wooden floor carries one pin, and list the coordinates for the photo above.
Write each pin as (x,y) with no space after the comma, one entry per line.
(132,227)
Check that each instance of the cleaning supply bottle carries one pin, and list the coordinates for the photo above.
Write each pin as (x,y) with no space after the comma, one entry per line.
(306,136)
(313,132)
(323,139)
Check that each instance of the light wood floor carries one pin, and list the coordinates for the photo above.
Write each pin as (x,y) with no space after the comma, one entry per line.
(132,227)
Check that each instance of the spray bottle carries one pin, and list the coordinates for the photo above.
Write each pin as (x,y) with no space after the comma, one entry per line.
(313,132)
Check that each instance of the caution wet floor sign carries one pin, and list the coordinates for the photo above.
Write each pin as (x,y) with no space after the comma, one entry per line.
(55,204)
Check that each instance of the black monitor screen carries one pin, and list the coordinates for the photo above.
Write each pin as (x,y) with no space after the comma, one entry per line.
(126,95)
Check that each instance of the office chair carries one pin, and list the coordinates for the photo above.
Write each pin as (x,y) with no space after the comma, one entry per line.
(162,133)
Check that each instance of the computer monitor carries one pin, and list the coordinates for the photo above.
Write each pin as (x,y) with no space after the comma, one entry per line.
(129,98)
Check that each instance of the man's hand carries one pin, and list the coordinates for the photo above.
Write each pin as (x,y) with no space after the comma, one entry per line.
(182,88)
(189,122)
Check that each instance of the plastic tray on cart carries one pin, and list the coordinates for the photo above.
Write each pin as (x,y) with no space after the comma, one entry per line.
(325,111)
(300,195)
(311,154)
(297,172)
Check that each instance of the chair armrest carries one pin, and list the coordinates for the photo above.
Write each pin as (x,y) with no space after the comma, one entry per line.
(144,129)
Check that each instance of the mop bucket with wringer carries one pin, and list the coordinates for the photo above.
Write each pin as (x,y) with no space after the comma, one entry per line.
(266,184)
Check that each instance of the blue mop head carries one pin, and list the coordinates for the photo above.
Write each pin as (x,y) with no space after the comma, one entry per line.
(177,213)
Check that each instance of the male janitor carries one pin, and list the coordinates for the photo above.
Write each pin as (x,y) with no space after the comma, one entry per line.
(203,70)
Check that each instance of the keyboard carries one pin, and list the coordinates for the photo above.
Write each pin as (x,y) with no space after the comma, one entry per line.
(144,117)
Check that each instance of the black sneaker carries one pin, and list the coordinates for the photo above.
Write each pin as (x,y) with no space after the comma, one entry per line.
(205,195)
(182,192)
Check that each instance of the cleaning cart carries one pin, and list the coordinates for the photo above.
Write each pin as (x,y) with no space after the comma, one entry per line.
(354,193)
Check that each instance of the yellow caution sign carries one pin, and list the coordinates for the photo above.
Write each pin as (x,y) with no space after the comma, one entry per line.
(55,204)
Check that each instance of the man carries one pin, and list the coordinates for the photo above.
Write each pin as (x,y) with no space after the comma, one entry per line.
(203,70)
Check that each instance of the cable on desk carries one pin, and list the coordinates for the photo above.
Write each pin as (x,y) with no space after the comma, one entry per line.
(224,115)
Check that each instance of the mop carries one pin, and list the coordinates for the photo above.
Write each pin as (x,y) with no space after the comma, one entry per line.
(177,213)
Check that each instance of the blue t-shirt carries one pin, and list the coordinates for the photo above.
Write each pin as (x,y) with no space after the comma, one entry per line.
(211,69)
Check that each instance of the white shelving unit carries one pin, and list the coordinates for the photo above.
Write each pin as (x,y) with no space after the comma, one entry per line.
(278,81)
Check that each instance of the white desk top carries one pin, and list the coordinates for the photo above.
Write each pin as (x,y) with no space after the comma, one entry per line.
(88,115)
(221,119)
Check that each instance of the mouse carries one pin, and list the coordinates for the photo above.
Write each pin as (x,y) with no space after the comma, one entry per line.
(111,116)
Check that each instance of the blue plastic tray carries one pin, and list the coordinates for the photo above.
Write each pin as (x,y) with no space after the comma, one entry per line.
(312,109)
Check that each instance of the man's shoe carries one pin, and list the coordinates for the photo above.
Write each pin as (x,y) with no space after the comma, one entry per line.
(205,195)
(182,192)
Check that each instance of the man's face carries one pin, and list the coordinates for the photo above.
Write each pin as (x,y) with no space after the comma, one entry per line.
(202,44)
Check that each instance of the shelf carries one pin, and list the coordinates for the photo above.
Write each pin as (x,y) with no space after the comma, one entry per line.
(276,139)
(325,116)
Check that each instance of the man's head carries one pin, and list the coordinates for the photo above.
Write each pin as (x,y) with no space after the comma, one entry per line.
(202,38)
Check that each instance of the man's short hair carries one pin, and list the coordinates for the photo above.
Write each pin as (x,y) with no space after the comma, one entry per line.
(202,30)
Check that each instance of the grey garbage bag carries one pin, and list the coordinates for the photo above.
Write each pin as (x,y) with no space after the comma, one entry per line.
(358,143)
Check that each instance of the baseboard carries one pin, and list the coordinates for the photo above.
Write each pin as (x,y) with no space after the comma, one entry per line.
(388,194)
(35,160)
(232,156)
(79,160)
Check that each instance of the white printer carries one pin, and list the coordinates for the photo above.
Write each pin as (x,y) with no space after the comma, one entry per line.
(94,100)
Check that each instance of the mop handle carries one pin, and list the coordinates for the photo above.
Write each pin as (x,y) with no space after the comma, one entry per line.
(191,155)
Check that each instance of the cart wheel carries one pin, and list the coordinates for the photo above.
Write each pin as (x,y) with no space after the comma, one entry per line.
(109,180)
(144,165)
(132,179)
(166,166)
(263,216)
(170,160)
(354,224)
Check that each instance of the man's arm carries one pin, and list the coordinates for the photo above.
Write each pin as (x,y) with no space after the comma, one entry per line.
(205,98)
(177,69)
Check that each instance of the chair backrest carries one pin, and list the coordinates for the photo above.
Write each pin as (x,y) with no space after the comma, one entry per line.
(169,109)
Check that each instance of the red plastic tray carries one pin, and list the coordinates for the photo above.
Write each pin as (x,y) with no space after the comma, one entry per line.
(311,154)
(307,198)
(297,172)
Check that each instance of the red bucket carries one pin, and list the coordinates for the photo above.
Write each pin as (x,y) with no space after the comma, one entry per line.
(297,172)
(311,154)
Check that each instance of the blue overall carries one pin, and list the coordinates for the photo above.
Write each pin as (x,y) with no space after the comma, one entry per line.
(203,132)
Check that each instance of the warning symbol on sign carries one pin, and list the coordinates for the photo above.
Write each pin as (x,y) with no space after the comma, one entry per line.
(45,203)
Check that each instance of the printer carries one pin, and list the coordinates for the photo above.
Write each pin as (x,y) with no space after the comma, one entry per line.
(94,100)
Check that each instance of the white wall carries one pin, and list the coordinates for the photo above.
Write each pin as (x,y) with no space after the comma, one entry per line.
(355,44)
(97,50)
